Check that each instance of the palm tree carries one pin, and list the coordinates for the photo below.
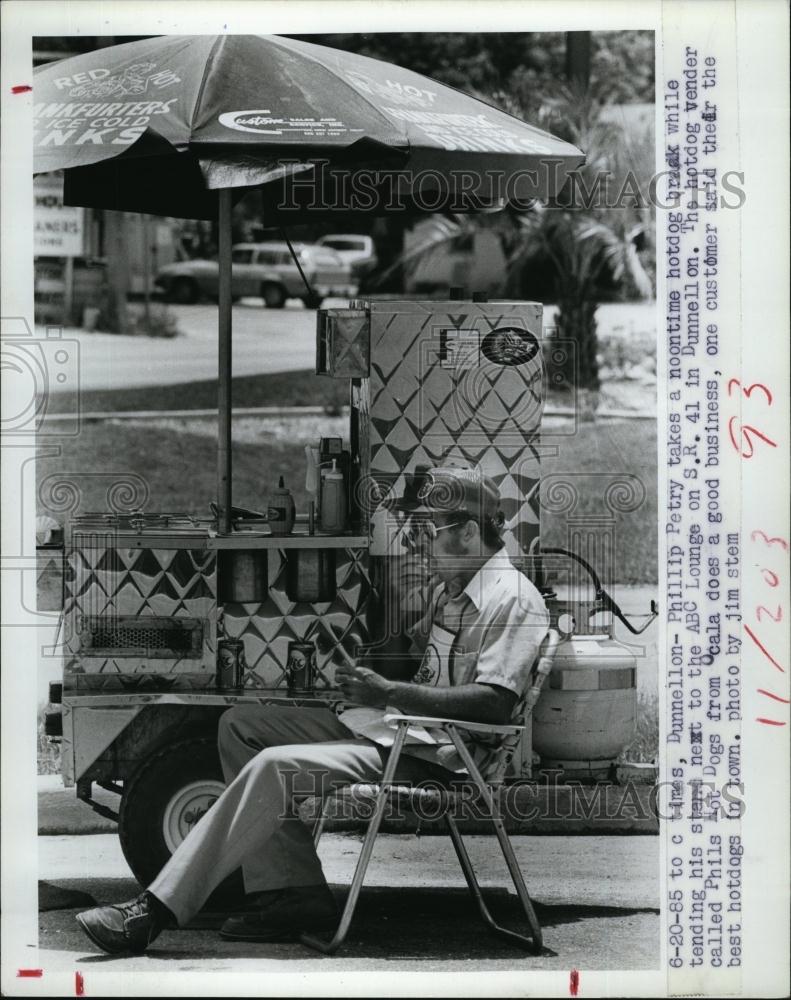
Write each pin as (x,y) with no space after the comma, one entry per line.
(596,228)
(599,229)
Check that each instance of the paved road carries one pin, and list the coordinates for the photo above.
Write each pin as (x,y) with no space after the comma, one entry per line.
(597,899)
(265,341)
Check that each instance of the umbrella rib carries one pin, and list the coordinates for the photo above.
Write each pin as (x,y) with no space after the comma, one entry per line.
(277,39)
(204,79)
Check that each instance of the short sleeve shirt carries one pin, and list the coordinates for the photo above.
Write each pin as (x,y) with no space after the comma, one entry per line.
(499,620)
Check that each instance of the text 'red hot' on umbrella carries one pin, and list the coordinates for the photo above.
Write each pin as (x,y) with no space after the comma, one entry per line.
(183,125)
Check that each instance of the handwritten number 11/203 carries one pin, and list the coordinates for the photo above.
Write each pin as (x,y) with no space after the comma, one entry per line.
(771,579)
(745,438)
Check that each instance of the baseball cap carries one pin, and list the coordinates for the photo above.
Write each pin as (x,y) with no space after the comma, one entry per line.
(451,489)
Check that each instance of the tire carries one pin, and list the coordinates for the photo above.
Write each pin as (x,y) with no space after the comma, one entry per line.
(274,296)
(184,291)
(167,795)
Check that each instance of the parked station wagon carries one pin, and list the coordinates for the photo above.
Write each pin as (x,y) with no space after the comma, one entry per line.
(267,270)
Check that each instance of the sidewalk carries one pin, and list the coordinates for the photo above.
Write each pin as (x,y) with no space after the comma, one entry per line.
(597,899)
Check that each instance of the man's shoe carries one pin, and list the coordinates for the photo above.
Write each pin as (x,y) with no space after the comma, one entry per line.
(125,927)
(282,914)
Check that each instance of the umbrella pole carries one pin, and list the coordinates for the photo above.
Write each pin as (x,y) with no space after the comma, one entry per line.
(224,401)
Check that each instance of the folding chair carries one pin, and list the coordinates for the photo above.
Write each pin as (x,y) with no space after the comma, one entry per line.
(489,785)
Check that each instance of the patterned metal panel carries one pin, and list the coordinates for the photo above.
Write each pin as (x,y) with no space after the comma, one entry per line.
(113,582)
(437,393)
(118,582)
(268,628)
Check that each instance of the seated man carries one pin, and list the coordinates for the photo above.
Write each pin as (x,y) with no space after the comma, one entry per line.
(478,642)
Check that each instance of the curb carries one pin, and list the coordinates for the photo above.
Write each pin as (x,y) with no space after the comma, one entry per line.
(528,809)
(304,411)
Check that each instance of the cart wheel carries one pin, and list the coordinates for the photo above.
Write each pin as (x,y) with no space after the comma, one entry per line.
(165,798)
(184,291)
(273,295)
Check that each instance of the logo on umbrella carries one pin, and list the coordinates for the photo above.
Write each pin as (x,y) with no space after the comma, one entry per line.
(262,123)
(251,121)
(394,91)
(133,80)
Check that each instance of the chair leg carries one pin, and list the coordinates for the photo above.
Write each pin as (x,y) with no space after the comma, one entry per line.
(331,946)
(320,820)
(533,942)
(505,846)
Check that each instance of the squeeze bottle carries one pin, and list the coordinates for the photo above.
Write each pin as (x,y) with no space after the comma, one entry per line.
(333,501)
(280,510)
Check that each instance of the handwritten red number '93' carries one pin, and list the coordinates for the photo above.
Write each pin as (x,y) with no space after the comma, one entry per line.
(745,447)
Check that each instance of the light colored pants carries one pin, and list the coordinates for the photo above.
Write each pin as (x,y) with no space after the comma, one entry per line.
(268,754)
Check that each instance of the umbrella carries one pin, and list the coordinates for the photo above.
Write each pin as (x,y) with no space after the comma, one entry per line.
(160,125)
(184,125)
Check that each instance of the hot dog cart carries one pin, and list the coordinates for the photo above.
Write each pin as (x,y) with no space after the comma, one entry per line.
(170,618)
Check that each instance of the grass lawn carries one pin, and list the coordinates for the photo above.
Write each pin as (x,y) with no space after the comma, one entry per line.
(301,388)
(177,460)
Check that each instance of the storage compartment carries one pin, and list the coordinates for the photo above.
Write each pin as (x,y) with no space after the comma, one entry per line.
(310,575)
(242,576)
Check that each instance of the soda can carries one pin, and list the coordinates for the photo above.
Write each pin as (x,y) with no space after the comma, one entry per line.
(301,666)
(230,664)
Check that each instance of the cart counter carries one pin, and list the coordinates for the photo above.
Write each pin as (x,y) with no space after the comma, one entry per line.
(149,600)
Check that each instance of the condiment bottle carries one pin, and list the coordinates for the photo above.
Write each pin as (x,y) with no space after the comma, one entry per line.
(280,510)
(333,501)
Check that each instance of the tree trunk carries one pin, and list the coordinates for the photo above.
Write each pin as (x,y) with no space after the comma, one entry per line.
(115,315)
(576,322)
(578,58)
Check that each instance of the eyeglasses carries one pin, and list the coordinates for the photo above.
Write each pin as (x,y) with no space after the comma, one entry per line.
(419,532)
(436,528)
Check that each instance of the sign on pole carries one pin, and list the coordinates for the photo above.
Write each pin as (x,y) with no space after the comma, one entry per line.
(58,229)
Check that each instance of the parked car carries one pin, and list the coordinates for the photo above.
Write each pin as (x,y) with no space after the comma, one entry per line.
(264,269)
(357,251)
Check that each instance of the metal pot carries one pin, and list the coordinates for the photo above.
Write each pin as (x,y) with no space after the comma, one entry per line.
(310,575)
(242,576)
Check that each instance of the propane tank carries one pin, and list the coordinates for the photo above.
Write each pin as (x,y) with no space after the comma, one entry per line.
(587,711)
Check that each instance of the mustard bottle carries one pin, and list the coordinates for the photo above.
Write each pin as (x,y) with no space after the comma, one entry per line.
(280,510)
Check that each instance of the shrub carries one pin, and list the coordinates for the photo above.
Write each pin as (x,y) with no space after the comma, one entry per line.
(644,748)
(48,752)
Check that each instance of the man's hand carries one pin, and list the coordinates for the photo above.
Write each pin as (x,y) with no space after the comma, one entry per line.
(364,686)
